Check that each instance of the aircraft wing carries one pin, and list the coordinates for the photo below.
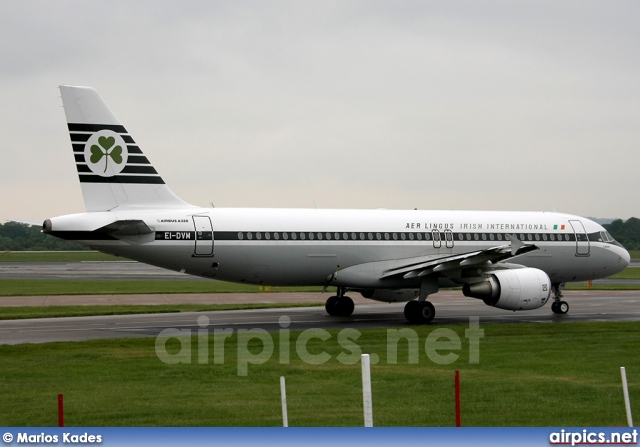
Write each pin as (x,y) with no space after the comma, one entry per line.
(394,272)
(419,268)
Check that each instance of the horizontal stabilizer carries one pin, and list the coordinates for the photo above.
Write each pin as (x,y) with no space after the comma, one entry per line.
(130,231)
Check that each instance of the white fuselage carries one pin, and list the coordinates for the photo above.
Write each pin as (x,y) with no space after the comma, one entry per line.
(305,247)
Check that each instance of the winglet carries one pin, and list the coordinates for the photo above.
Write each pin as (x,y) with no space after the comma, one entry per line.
(518,246)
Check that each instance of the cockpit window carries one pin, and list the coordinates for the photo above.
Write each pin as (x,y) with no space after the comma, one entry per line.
(606,237)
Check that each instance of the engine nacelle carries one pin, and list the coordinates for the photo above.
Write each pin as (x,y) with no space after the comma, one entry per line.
(390,295)
(516,289)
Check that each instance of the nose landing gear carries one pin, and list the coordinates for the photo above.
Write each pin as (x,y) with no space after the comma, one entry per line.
(558,306)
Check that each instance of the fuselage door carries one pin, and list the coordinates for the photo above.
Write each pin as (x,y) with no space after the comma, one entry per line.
(204,236)
(437,241)
(582,239)
(448,237)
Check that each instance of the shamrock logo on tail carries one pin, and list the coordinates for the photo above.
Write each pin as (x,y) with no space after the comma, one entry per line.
(106,150)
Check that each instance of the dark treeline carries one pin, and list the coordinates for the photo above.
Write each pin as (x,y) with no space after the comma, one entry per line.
(626,232)
(22,237)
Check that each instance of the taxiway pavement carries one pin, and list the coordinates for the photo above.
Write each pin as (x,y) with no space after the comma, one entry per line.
(451,308)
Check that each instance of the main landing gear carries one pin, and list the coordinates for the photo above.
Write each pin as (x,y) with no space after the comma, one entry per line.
(422,311)
(339,306)
(419,312)
(558,306)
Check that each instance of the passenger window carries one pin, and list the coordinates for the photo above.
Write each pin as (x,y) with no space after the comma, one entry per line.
(240,236)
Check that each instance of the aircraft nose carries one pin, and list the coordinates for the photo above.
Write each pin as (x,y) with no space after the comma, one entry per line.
(623,261)
(626,257)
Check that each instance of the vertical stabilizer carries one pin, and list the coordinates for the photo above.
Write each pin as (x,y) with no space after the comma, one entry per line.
(113,171)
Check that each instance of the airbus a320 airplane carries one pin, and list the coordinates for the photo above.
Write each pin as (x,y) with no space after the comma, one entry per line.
(510,260)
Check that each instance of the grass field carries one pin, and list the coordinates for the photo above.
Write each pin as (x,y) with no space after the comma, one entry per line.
(582,286)
(56,256)
(628,273)
(563,374)
(16,313)
(36,287)
(39,287)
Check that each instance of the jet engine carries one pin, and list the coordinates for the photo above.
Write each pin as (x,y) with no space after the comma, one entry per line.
(517,289)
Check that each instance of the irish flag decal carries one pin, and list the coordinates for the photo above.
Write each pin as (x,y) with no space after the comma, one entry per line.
(561,227)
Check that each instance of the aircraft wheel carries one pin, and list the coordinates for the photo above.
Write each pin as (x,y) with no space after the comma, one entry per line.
(417,312)
(560,307)
(411,310)
(345,306)
(339,306)
(331,306)
(563,307)
(427,312)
